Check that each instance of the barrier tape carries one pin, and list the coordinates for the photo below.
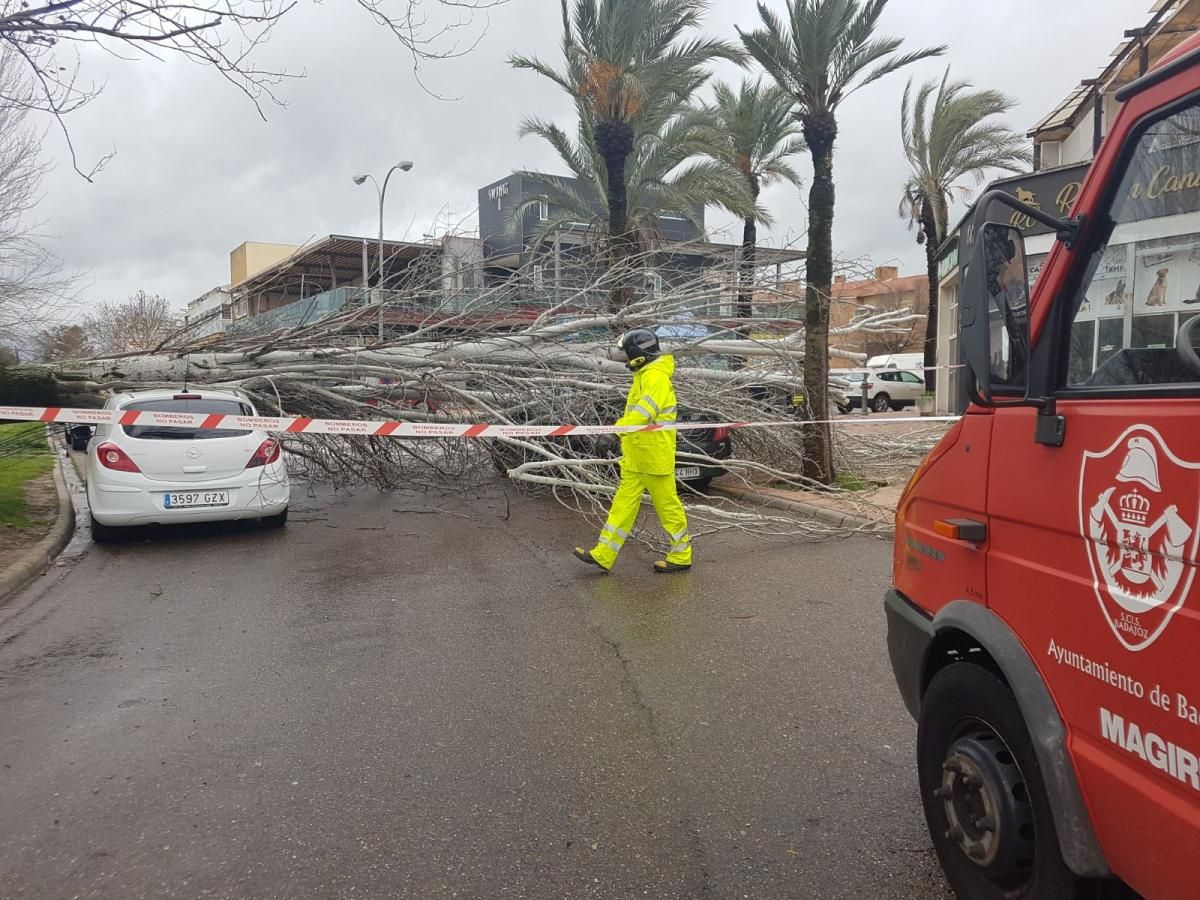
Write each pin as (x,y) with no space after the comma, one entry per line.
(391,428)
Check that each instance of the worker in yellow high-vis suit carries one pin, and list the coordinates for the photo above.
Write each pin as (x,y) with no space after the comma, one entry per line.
(647,459)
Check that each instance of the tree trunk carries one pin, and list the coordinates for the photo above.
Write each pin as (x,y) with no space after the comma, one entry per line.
(745,301)
(929,228)
(820,131)
(615,143)
(745,296)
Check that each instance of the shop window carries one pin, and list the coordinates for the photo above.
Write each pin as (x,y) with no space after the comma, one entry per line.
(1143,275)
(1110,342)
(1153,332)
(1082,354)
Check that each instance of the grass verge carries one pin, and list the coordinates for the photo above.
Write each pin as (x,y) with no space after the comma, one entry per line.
(24,455)
(848,481)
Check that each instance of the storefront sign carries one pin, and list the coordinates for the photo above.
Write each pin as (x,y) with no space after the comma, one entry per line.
(1162,182)
(1053,191)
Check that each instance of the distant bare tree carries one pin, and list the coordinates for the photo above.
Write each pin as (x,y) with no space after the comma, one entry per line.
(62,342)
(221,34)
(141,323)
(32,288)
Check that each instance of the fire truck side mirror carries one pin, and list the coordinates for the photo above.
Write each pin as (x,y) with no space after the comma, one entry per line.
(994,310)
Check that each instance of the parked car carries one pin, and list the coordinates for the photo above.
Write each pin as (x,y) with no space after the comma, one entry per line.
(149,474)
(76,437)
(886,389)
(715,443)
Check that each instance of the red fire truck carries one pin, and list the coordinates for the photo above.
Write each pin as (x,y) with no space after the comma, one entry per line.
(1044,618)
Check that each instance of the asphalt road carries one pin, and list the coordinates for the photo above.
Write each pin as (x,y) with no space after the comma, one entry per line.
(441,702)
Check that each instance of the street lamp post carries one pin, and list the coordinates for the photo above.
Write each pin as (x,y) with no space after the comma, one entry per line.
(404,166)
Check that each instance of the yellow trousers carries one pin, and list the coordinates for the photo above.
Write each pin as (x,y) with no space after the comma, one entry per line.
(626,505)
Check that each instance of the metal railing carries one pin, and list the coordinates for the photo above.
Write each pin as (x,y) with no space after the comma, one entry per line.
(494,300)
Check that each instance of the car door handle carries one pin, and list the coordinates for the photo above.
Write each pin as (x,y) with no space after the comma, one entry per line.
(194,470)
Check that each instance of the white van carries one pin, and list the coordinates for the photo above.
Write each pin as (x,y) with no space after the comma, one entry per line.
(913,362)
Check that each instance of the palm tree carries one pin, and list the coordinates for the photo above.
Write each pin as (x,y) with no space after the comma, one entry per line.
(824,52)
(662,176)
(955,138)
(752,135)
(629,65)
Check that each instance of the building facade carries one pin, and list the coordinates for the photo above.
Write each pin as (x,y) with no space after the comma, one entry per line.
(550,267)
(887,291)
(510,272)
(209,314)
(1071,132)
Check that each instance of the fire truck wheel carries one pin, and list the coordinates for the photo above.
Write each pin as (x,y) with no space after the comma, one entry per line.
(983,794)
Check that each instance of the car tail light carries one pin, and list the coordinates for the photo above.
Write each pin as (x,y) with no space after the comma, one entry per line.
(113,457)
(268,452)
(187,397)
(720,435)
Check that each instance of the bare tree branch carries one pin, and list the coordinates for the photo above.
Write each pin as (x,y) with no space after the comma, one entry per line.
(33,290)
(224,35)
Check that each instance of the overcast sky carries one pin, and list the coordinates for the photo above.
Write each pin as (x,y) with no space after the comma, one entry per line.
(197,171)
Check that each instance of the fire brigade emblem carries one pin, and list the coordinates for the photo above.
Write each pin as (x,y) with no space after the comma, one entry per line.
(1139,512)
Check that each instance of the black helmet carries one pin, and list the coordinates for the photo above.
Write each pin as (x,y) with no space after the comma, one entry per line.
(639,346)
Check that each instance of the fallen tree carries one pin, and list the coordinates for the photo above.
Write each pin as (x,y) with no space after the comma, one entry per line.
(539,357)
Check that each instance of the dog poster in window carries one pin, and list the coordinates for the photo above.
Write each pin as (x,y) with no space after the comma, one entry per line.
(1167,274)
(1111,288)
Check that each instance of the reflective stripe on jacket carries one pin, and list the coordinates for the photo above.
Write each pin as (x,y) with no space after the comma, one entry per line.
(651,401)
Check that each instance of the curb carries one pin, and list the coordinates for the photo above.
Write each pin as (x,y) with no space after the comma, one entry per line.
(38,559)
(823,513)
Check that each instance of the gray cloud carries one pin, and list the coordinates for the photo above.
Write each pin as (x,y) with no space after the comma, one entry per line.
(197,171)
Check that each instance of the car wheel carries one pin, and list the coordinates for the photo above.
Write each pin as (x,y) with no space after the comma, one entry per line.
(105,534)
(982,790)
(276,521)
(844,410)
(79,444)
(880,403)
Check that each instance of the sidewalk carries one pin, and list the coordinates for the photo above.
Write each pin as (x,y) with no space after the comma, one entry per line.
(870,511)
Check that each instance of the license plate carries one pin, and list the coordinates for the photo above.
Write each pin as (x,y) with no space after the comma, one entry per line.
(184,499)
(688,472)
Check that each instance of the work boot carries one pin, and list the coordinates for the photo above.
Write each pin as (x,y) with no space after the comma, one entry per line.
(586,556)
(664,567)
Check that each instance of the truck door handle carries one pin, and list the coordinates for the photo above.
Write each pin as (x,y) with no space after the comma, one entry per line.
(968,530)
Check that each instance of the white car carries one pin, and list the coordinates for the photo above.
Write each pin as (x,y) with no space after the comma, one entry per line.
(152,475)
(886,388)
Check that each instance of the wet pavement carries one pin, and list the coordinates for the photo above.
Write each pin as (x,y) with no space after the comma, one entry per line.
(421,696)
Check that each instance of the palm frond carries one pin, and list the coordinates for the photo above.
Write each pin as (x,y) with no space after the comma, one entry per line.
(826,50)
(751,133)
(950,132)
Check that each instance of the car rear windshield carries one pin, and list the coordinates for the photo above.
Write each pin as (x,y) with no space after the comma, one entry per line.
(204,407)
